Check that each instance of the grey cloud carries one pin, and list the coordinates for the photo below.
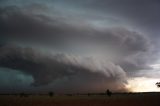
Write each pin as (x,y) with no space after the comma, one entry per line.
(46,69)
(124,51)
(143,14)
(18,24)
(24,26)
(140,12)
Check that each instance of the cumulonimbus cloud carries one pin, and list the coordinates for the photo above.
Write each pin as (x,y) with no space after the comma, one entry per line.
(46,69)
(128,50)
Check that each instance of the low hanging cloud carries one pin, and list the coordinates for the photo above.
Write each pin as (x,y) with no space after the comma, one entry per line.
(46,69)
(125,52)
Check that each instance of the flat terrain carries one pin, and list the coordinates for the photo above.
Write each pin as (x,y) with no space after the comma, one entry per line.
(145,99)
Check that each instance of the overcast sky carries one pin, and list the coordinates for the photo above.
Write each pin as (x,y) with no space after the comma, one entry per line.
(78,45)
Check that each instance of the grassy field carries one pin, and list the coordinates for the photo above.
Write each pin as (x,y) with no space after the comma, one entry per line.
(145,99)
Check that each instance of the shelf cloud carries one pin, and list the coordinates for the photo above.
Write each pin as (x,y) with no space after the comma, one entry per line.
(91,45)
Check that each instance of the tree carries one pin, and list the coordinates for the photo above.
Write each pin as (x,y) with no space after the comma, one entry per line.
(51,94)
(158,84)
(23,95)
(108,92)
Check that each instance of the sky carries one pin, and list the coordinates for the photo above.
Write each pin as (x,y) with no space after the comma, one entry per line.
(79,46)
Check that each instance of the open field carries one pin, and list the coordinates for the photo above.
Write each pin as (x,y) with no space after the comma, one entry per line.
(145,99)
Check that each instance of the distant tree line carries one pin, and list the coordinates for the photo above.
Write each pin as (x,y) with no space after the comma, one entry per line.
(51,94)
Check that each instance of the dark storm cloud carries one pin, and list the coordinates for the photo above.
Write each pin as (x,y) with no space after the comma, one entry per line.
(20,25)
(143,14)
(15,23)
(46,69)
(139,13)
(124,50)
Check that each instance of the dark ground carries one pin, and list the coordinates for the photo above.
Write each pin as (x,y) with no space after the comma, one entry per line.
(139,99)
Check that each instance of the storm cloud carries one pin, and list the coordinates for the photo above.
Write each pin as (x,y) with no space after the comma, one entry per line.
(92,45)
(18,25)
(47,68)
